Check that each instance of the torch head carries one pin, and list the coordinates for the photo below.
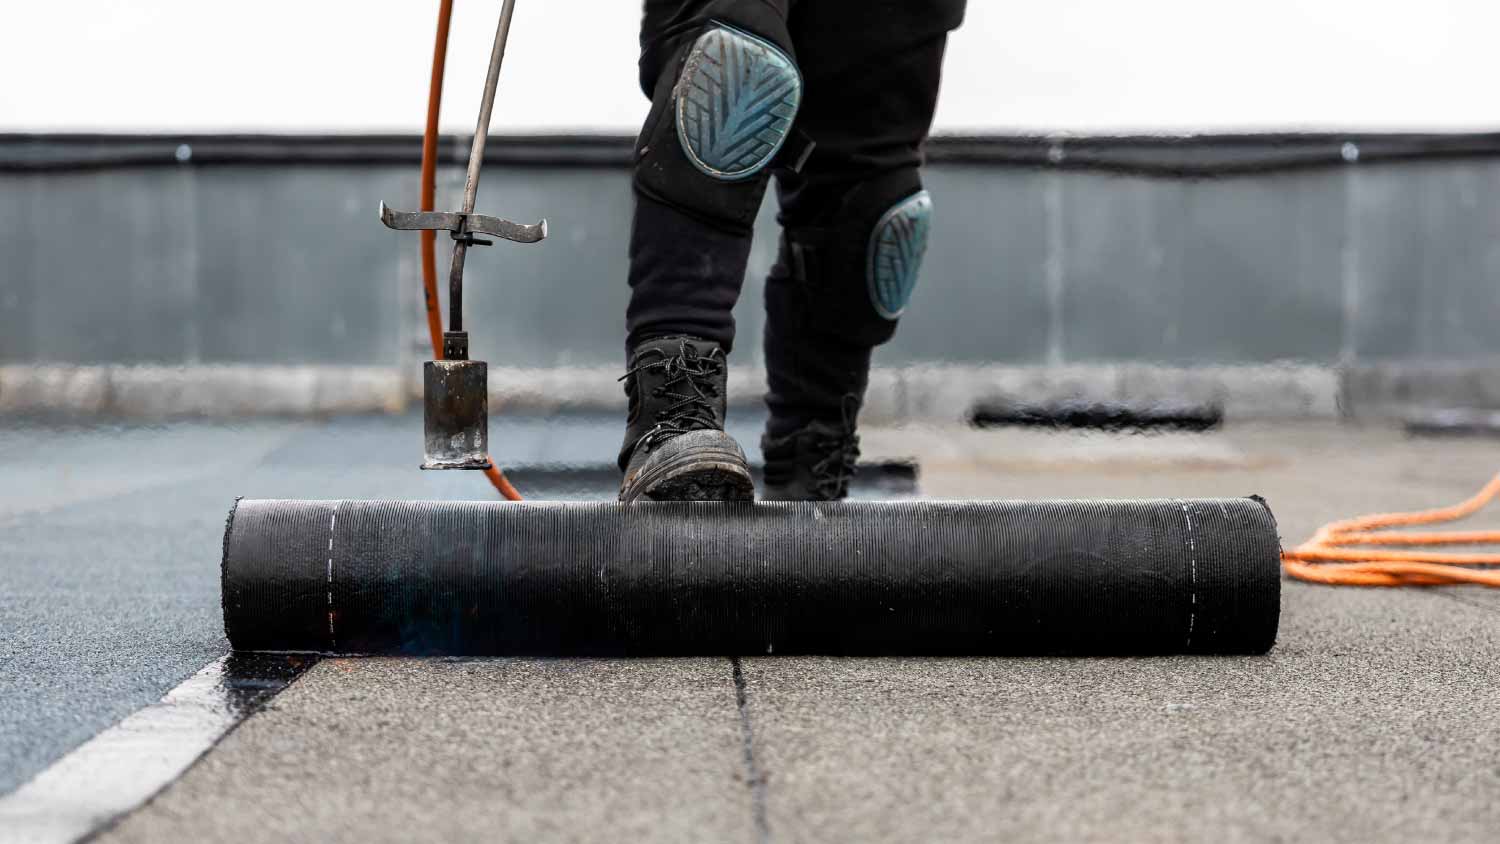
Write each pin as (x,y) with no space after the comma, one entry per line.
(456,407)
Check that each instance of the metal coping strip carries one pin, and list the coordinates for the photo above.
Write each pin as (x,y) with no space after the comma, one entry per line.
(1186,156)
(118,770)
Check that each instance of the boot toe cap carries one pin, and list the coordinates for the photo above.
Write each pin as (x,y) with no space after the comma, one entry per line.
(705,465)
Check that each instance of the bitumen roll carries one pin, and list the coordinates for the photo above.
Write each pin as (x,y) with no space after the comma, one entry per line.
(1168,576)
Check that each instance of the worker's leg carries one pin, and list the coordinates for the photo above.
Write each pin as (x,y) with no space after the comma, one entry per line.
(855,223)
(725,91)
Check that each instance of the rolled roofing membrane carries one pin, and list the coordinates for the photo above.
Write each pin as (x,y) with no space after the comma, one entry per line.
(898,577)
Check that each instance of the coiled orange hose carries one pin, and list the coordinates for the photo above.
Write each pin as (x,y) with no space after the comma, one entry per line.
(1329,558)
(429,238)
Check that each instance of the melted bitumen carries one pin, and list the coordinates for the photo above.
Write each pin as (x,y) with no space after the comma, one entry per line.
(247,680)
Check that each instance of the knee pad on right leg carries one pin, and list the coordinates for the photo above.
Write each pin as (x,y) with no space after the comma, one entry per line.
(720,118)
(735,101)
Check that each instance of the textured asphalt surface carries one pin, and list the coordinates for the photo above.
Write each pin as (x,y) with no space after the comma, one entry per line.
(495,750)
(110,540)
(1373,719)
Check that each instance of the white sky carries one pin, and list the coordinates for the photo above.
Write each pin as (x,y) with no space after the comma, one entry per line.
(1057,65)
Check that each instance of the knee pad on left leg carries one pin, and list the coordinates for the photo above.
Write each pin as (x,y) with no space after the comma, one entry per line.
(894,257)
(859,270)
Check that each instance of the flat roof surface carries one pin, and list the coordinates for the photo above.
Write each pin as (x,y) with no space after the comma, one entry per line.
(1372,719)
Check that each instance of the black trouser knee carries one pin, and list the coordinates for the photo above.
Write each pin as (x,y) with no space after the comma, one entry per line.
(855,218)
(836,292)
(725,92)
(868,74)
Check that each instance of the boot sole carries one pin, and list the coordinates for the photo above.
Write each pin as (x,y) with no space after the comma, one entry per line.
(702,474)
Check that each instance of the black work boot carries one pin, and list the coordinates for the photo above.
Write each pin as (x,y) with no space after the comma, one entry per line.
(848,258)
(816,383)
(675,447)
(817,370)
(814,463)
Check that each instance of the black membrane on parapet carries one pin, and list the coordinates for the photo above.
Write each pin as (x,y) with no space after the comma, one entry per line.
(898,577)
(1101,416)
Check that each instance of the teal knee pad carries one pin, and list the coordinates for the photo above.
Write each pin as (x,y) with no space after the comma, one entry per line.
(736,99)
(897,246)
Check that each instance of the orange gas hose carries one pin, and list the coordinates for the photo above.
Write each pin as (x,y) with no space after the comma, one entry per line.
(1329,558)
(429,179)
(429,238)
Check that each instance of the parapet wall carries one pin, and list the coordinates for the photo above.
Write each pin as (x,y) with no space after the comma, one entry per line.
(1358,273)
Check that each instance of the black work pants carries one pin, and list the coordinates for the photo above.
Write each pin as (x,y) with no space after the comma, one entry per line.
(870,72)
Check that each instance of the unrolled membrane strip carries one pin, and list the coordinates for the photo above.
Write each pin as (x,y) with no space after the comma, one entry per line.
(899,577)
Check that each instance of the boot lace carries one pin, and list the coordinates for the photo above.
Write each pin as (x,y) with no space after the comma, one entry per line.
(688,379)
(831,474)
